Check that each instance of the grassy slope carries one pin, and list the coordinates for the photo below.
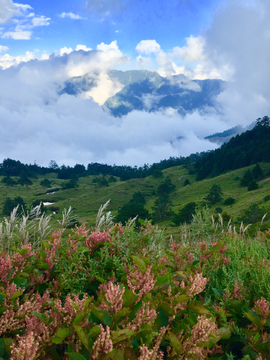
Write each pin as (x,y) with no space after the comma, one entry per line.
(86,199)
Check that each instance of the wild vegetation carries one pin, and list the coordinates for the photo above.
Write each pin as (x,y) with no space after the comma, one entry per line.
(114,292)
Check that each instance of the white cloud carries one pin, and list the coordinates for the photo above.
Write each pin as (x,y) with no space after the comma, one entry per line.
(3,48)
(70,15)
(143,61)
(17,35)
(7,10)
(65,50)
(23,7)
(148,47)
(41,21)
(193,51)
(7,60)
(82,47)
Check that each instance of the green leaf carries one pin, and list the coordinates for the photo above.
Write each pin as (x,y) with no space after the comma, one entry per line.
(140,263)
(176,344)
(82,335)
(180,298)
(256,337)
(20,282)
(253,317)
(23,251)
(16,295)
(167,309)
(164,279)
(217,293)
(121,335)
(102,315)
(121,313)
(25,275)
(134,310)
(83,249)
(60,336)
(224,333)
(115,354)
(129,298)
(75,356)
(80,317)
(45,243)
(94,332)
(162,318)
(198,308)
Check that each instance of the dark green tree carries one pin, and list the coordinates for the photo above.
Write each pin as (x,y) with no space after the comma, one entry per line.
(162,209)
(10,204)
(7,180)
(187,182)
(24,180)
(215,194)
(45,183)
(112,179)
(257,172)
(135,207)
(253,185)
(247,178)
(185,215)
(229,201)
(166,187)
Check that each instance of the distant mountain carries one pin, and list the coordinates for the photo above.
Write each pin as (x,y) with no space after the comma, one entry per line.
(151,92)
(225,136)
(148,91)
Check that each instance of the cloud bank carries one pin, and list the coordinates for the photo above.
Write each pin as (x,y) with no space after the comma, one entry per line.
(39,124)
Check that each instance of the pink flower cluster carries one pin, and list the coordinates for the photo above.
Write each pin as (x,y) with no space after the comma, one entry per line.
(97,237)
(138,281)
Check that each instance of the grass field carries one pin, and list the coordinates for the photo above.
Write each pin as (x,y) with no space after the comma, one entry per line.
(86,199)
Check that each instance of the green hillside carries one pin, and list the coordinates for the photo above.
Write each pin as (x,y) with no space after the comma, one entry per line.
(88,196)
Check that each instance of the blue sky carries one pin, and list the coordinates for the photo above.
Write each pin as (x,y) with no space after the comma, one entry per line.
(45,43)
(50,25)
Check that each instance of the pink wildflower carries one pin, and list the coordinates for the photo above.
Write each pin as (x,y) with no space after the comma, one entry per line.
(5,267)
(26,349)
(262,308)
(114,297)
(143,282)
(103,344)
(198,283)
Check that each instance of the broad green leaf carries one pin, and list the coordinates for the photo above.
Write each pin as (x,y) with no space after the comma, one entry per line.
(129,298)
(180,298)
(198,308)
(134,310)
(83,248)
(45,243)
(162,318)
(164,279)
(176,344)
(224,333)
(82,335)
(102,315)
(121,335)
(60,336)
(23,251)
(253,317)
(16,295)
(80,317)
(25,275)
(94,332)
(115,354)
(140,263)
(217,293)
(20,282)
(167,309)
(121,313)
(256,337)
(75,356)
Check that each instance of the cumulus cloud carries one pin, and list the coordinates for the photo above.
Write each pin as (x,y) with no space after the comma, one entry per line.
(143,61)
(3,48)
(70,15)
(41,21)
(148,47)
(8,10)
(17,35)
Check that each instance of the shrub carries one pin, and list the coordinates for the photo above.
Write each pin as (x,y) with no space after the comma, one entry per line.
(253,185)
(187,182)
(266,198)
(229,201)
(45,183)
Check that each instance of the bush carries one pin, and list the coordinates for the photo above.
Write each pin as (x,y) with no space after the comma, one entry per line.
(45,183)
(229,201)
(253,185)
(187,182)
(266,198)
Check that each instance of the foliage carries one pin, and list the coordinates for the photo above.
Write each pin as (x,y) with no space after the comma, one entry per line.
(229,201)
(134,208)
(45,183)
(215,194)
(185,215)
(122,294)
(7,180)
(10,204)
(253,185)
(162,209)
(187,182)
